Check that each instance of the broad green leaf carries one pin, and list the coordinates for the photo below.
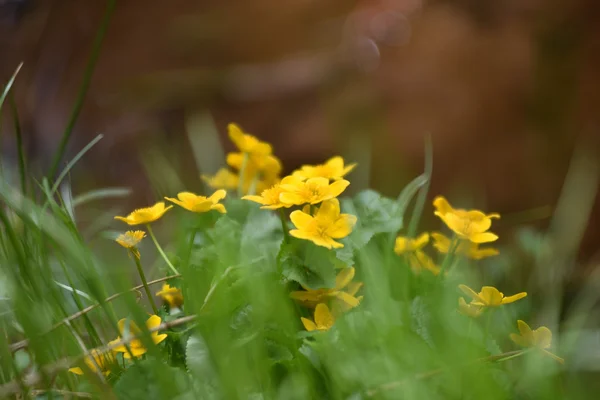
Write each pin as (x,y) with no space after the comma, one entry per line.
(152,380)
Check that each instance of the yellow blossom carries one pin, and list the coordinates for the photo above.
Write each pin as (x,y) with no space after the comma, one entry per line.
(200,204)
(540,339)
(417,259)
(223,179)
(130,240)
(490,296)
(324,319)
(406,245)
(469,309)
(269,198)
(327,224)
(311,191)
(136,346)
(310,298)
(467,224)
(333,169)
(171,295)
(464,247)
(145,215)
(265,165)
(101,359)
(248,143)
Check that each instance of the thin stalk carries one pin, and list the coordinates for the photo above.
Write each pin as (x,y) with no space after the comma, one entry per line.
(160,250)
(422,197)
(144,282)
(87,78)
(20,151)
(286,234)
(449,259)
(241,176)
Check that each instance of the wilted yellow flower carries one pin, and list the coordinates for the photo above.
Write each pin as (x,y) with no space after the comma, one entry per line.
(333,168)
(471,224)
(324,319)
(136,346)
(270,198)
(101,359)
(490,296)
(248,143)
(417,259)
(326,225)
(464,247)
(130,240)
(145,215)
(406,245)
(312,191)
(540,338)
(200,204)
(310,298)
(171,295)
(469,309)
(223,179)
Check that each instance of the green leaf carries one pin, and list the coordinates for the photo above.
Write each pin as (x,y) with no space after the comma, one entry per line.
(310,265)
(152,380)
(421,320)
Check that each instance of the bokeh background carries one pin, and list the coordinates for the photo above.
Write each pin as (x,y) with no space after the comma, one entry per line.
(509,91)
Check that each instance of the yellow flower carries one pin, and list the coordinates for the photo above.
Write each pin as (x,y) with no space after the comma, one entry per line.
(417,259)
(312,191)
(333,169)
(465,247)
(265,165)
(540,338)
(310,298)
(102,359)
(490,296)
(326,225)
(269,198)
(406,245)
(469,309)
(136,346)
(223,179)
(200,204)
(324,320)
(471,224)
(130,240)
(145,215)
(171,295)
(248,143)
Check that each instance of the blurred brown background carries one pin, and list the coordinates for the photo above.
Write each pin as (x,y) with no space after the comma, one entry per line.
(506,88)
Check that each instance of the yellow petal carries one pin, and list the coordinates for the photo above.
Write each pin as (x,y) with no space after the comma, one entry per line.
(330,210)
(344,277)
(442,206)
(542,337)
(470,292)
(421,241)
(218,207)
(513,298)
(348,299)
(323,317)
(484,237)
(308,324)
(353,288)
(342,227)
(337,187)
(218,195)
(301,220)
(153,322)
(518,339)
(524,329)
(491,296)
(292,198)
(76,370)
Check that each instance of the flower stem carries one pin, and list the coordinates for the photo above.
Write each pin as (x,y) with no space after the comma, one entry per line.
(145,282)
(242,174)
(286,234)
(447,263)
(160,250)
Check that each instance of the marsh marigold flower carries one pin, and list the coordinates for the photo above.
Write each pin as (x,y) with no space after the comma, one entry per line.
(136,346)
(412,249)
(466,248)
(540,338)
(171,295)
(130,240)
(200,204)
(311,191)
(247,143)
(263,165)
(324,319)
(269,198)
(469,309)
(223,179)
(490,296)
(145,215)
(310,298)
(471,225)
(95,360)
(327,224)
(333,169)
